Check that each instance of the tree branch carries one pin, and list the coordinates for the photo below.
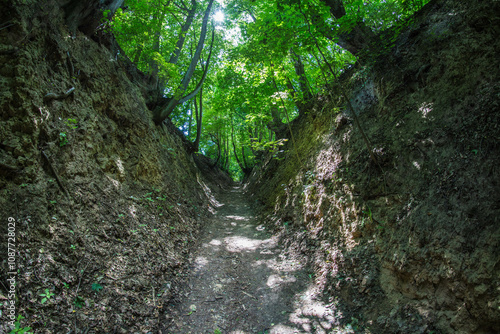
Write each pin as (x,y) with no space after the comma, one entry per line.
(200,84)
(160,114)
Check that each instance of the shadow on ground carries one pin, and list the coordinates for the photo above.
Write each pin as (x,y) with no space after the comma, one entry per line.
(242,281)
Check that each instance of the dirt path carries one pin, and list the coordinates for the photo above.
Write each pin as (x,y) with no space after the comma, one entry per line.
(242,282)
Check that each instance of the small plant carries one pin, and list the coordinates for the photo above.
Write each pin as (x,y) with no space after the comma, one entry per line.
(310,175)
(369,213)
(354,324)
(71,123)
(172,152)
(66,285)
(63,139)
(23,185)
(217,331)
(53,202)
(72,247)
(17,327)
(46,296)
(96,287)
(192,309)
(79,301)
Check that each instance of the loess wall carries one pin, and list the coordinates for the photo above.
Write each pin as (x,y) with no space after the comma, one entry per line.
(106,203)
(411,244)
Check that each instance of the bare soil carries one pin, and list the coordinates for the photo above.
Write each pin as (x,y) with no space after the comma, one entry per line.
(242,280)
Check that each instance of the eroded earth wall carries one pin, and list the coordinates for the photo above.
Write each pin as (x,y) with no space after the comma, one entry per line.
(106,204)
(409,244)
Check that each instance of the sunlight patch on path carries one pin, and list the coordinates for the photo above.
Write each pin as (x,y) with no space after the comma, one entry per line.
(200,262)
(311,312)
(215,242)
(244,244)
(282,329)
(237,217)
(276,280)
(282,265)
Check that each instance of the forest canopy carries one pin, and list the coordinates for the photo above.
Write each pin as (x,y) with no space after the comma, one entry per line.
(232,73)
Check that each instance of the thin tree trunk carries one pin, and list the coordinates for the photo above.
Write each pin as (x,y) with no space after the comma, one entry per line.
(190,124)
(182,36)
(216,140)
(301,73)
(158,19)
(234,146)
(288,124)
(164,111)
(227,153)
(245,164)
(199,119)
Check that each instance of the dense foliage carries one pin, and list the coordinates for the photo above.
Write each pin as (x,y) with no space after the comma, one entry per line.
(268,59)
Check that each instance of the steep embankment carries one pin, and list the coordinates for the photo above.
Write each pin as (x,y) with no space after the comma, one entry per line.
(412,245)
(105,202)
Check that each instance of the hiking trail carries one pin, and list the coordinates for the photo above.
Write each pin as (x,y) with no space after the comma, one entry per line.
(242,281)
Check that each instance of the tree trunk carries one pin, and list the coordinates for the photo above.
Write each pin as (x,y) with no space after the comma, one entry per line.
(358,39)
(248,170)
(190,124)
(164,110)
(153,65)
(276,125)
(182,37)
(86,15)
(226,165)
(196,144)
(215,139)
(241,163)
(234,146)
(301,73)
